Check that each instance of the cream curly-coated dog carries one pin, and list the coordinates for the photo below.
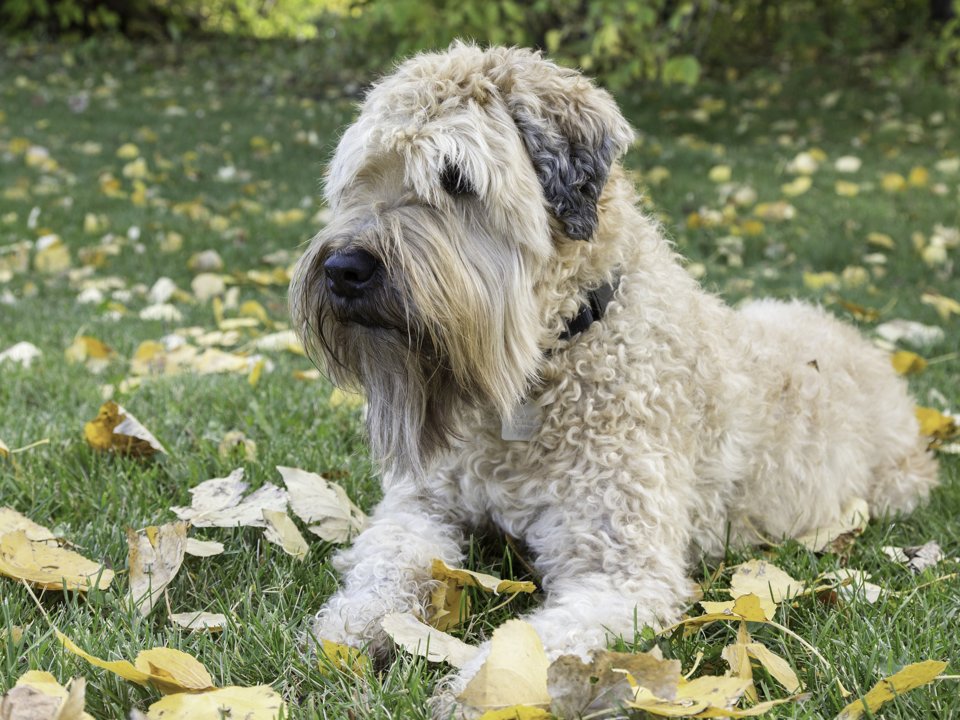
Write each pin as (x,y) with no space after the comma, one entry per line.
(535,357)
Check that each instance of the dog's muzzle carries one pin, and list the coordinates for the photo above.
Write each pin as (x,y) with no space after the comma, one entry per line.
(351,274)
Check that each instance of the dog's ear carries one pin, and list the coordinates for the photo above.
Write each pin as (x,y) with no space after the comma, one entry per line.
(573,133)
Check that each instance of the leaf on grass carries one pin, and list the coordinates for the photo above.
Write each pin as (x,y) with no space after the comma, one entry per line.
(254,703)
(910,677)
(154,557)
(47,566)
(23,354)
(907,363)
(211,622)
(282,531)
(837,536)
(235,442)
(515,672)
(202,548)
(117,430)
(911,332)
(945,306)
(38,696)
(348,400)
(323,505)
(220,503)
(11,521)
(852,583)
(936,424)
(342,657)
(468,578)
(424,641)
(917,558)
(517,712)
(168,670)
(607,681)
(764,579)
(750,607)
(91,352)
(693,697)
(4,449)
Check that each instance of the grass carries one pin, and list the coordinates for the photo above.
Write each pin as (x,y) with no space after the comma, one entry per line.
(272,112)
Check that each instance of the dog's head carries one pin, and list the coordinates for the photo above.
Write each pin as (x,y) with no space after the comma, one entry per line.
(450,196)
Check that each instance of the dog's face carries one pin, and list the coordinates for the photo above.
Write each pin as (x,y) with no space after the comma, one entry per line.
(449,197)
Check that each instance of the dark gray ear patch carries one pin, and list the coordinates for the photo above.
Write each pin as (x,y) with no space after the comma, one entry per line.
(571,173)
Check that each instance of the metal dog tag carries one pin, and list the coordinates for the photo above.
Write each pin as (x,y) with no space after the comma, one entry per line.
(524,424)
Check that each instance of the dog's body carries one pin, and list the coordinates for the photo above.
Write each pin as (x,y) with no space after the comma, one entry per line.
(485,187)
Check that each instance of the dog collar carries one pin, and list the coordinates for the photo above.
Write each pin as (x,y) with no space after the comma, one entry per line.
(592,310)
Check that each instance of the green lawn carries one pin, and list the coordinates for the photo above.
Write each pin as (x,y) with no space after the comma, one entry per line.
(230,143)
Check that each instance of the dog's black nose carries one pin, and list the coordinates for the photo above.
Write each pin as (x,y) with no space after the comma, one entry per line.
(351,273)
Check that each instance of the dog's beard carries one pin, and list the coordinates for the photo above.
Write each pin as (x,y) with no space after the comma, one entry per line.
(445,331)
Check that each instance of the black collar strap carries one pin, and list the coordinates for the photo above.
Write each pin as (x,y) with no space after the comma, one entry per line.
(592,310)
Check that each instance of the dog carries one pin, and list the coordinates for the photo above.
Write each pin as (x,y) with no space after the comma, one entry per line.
(535,357)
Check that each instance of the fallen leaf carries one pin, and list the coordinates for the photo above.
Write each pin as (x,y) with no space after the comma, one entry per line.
(517,712)
(907,363)
(38,696)
(168,670)
(607,681)
(282,531)
(515,671)
(693,697)
(449,605)
(235,441)
(917,558)
(845,188)
(52,256)
(254,703)
(117,430)
(211,622)
(945,306)
(747,606)
(342,657)
(154,558)
(427,642)
(910,677)
(12,521)
(851,583)
(4,451)
(468,578)
(893,182)
(834,537)
(764,579)
(847,164)
(913,333)
(349,400)
(936,424)
(323,505)
(202,548)
(22,353)
(91,352)
(798,186)
(47,566)
(217,503)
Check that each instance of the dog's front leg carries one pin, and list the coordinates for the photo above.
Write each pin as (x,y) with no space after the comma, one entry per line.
(387,569)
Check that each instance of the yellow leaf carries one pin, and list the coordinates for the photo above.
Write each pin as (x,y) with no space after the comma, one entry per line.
(910,677)
(468,578)
(349,400)
(705,693)
(128,151)
(90,351)
(818,281)
(845,188)
(893,182)
(763,579)
(424,641)
(117,430)
(219,502)
(282,531)
(254,703)
(798,186)
(775,665)
(742,608)
(253,309)
(202,548)
(342,657)
(517,712)
(945,306)
(168,670)
(449,605)
(918,177)
(38,696)
(12,521)
(4,452)
(881,240)
(515,671)
(253,378)
(52,255)
(47,566)
(719,173)
(154,558)
(934,423)
(907,363)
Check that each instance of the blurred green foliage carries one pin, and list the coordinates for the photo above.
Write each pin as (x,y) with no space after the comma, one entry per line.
(621,41)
